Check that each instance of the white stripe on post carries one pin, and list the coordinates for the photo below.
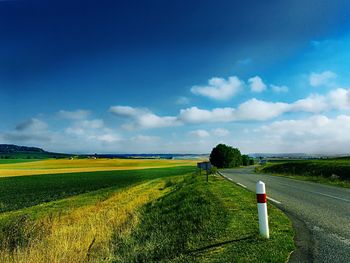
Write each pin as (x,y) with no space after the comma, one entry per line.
(262,209)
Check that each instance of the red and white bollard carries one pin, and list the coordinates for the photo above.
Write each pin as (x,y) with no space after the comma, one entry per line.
(262,209)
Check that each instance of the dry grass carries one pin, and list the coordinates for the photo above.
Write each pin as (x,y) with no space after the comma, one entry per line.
(85,165)
(83,234)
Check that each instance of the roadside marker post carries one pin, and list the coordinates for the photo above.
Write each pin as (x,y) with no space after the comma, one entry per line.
(262,209)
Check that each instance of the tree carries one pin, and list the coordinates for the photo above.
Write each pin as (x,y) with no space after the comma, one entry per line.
(245,160)
(223,156)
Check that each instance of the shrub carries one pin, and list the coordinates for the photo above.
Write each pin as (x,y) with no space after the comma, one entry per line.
(223,156)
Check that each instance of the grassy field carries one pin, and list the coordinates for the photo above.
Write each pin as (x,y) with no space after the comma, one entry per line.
(332,171)
(141,215)
(31,155)
(9,161)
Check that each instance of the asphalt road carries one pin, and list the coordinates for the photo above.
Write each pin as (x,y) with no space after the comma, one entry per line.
(320,213)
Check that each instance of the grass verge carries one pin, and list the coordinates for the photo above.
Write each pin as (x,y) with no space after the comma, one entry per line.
(204,222)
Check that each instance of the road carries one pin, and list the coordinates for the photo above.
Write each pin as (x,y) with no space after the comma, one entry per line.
(320,210)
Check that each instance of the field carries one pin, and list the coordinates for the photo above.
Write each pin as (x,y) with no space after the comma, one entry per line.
(52,166)
(79,211)
(330,171)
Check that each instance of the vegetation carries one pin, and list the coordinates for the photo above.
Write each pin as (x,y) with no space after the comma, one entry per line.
(330,171)
(23,191)
(8,161)
(76,229)
(52,166)
(10,151)
(142,215)
(246,160)
(223,156)
(200,222)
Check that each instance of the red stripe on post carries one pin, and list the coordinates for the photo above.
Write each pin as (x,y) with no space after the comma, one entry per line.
(261,198)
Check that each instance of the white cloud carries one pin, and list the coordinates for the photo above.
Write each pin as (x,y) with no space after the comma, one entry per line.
(219,88)
(196,115)
(314,103)
(199,133)
(143,118)
(340,99)
(279,89)
(322,79)
(29,131)
(220,132)
(316,134)
(256,84)
(254,109)
(74,115)
(250,110)
(126,111)
(92,130)
(109,138)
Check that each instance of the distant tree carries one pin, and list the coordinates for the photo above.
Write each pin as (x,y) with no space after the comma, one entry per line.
(245,160)
(251,161)
(223,156)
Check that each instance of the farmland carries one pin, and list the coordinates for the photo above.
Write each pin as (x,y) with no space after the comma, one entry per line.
(130,211)
(330,171)
(52,166)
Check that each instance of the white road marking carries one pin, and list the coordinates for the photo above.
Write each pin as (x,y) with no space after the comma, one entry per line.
(319,193)
(241,185)
(274,200)
(331,196)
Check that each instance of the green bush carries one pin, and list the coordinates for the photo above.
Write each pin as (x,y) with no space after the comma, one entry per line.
(223,156)
(325,168)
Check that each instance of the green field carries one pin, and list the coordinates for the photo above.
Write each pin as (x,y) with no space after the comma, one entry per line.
(143,215)
(31,155)
(10,161)
(330,171)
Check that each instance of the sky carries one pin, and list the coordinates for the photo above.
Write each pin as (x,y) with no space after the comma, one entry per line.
(176,76)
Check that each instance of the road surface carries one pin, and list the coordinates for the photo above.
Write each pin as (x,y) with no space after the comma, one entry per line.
(321,213)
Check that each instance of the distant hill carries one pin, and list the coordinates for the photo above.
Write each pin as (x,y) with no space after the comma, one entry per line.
(10,151)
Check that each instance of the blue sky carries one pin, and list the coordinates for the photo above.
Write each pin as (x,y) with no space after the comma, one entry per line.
(180,76)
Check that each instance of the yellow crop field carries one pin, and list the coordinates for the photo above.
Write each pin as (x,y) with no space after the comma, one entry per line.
(53,166)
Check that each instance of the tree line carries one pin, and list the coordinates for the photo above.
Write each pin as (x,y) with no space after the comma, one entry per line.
(224,156)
